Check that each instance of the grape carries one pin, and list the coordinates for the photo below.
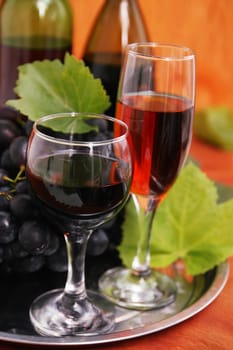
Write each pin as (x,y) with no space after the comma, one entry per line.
(3,173)
(8,227)
(97,243)
(109,224)
(58,261)
(4,203)
(34,237)
(18,150)
(8,113)
(8,131)
(22,206)
(17,250)
(22,187)
(29,264)
(53,245)
(28,127)
(8,253)
(4,190)
(12,114)
(7,163)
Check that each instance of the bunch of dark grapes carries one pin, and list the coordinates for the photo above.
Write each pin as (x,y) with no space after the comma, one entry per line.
(28,242)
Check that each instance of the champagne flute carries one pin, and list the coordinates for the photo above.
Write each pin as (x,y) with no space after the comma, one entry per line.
(156,100)
(80,175)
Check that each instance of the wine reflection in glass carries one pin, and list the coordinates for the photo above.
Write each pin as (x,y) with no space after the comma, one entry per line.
(156,100)
(80,175)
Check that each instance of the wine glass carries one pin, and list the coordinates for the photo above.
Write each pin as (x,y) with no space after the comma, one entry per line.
(80,175)
(156,100)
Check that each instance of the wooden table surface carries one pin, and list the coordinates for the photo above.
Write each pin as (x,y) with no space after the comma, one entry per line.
(212,328)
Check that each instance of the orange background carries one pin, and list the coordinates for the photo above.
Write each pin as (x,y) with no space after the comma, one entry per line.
(204,25)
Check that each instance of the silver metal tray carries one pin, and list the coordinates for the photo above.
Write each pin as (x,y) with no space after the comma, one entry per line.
(17,293)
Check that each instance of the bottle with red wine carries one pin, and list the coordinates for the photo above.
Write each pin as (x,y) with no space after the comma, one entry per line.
(31,30)
(119,23)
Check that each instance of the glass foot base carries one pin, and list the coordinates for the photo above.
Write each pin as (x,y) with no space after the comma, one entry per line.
(135,292)
(50,318)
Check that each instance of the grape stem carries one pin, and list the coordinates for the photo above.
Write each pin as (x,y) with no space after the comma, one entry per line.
(19,177)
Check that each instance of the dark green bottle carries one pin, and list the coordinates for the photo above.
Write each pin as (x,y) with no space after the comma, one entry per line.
(31,30)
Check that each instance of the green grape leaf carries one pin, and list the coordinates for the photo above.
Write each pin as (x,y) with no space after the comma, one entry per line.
(70,124)
(47,87)
(191,224)
(215,125)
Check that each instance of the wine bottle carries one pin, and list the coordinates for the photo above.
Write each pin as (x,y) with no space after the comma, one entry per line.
(119,23)
(31,30)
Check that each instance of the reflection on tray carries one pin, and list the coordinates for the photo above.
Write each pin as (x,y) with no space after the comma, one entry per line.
(17,293)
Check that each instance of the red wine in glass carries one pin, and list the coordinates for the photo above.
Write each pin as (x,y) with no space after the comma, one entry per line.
(77,191)
(80,175)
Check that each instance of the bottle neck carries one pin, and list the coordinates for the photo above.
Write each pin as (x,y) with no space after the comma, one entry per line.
(119,23)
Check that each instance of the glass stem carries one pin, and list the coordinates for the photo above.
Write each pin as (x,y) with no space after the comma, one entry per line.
(76,244)
(146,208)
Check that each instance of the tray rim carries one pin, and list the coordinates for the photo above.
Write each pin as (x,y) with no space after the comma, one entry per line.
(216,287)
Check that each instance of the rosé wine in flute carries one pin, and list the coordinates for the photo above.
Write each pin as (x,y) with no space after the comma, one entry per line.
(160,128)
(156,100)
